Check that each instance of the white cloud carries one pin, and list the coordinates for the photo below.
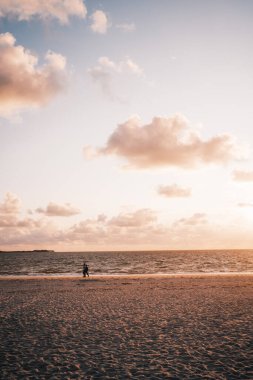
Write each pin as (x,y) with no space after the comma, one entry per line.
(106,70)
(100,22)
(61,10)
(123,66)
(126,27)
(22,82)
(103,79)
(107,63)
(132,67)
(167,142)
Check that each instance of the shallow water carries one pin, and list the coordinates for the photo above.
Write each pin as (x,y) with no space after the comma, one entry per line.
(120,263)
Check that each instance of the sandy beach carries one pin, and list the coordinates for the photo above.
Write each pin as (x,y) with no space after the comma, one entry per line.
(131,327)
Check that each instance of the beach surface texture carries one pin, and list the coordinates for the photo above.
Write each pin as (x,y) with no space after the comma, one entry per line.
(131,327)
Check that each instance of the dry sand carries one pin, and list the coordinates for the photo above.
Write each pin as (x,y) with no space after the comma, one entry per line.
(168,327)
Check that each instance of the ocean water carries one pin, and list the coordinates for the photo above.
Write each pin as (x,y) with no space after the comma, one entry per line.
(122,263)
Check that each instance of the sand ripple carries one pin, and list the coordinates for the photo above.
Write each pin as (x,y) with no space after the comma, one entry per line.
(171,328)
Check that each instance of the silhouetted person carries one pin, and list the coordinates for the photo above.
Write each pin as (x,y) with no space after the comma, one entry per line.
(85,270)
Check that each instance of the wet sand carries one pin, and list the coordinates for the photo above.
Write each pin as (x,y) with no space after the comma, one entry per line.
(131,327)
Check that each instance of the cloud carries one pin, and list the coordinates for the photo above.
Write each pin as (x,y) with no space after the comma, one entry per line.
(22,232)
(22,82)
(106,70)
(196,219)
(103,79)
(61,10)
(243,176)
(130,228)
(123,66)
(89,152)
(167,142)
(100,22)
(10,205)
(135,219)
(138,229)
(129,220)
(245,204)
(54,209)
(105,62)
(132,67)
(122,230)
(14,222)
(10,210)
(29,234)
(174,190)
(126,27)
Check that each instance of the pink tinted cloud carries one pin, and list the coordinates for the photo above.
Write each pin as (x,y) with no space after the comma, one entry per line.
(10,209)
(22,82)
(167,142)
(61,10)
(10,219)
(138,229)
(243,176)
(30,235)
(245,204)
(10,205)
(127,228)
(174,191)
(54,209)
(133,219)
(22,232)
(7,221)
(100,22)
(11,222)
(196,219)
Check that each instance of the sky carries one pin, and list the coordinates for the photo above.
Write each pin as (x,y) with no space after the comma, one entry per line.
(126,125)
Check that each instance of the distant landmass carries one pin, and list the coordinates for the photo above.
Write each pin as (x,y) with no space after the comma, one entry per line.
(35,250)
(43,250)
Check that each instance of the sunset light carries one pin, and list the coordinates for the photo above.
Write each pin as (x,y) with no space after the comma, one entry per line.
(126,196)
(126,126)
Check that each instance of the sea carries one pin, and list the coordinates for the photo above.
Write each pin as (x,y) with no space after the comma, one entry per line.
(126,263)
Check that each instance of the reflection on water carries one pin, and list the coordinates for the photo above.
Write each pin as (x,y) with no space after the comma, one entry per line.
(151,262)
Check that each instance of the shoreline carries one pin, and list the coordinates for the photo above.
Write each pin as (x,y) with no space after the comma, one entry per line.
(124,276)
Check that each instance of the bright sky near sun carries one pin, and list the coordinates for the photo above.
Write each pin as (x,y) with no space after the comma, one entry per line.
(126,124)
